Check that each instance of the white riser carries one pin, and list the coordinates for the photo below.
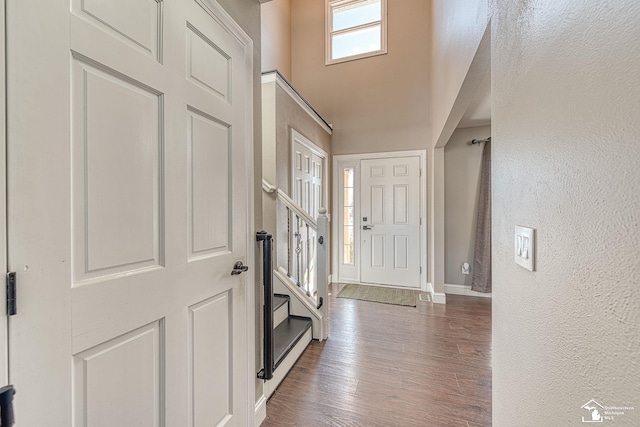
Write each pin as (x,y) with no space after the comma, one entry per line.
(281,314)
(286,365)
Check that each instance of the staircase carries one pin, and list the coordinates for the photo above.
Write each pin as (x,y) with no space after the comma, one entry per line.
(291,336)
(295,310)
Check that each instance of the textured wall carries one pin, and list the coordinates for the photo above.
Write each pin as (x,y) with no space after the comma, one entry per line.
(458,26)
(276,36)
(566,121)
(375,104)
(462,164)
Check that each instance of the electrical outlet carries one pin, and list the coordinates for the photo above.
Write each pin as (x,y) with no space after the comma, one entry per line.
(465,268)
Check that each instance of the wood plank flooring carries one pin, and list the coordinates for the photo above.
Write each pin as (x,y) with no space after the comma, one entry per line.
(387,365)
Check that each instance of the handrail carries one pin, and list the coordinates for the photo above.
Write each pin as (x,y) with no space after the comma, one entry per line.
(288,201)
(267,276)
(267,187)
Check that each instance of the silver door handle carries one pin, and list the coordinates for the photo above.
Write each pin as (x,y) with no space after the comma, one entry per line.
(367,227)
(239,268)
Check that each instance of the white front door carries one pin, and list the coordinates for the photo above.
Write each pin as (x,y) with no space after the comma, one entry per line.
(390,226)
(127,208)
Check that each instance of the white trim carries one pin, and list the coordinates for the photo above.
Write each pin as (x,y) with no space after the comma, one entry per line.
(260,413)
(4,337)
(315,149)
(337,230)
(300,304)
(220,15)
(439,298)
(328,33)
(267,187)
(286,86)
(347,159)
(463,290)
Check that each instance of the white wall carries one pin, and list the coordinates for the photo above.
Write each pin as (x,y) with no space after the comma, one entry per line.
(459,63)
(276,36)
(566,126)
(375,104)
(462,166)
(457,28)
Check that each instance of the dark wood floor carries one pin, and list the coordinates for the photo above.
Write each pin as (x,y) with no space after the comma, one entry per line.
(387,365)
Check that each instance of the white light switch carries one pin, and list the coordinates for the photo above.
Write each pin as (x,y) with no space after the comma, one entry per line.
(524,247)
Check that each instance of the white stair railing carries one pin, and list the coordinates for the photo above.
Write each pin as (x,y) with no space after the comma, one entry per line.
(307,263)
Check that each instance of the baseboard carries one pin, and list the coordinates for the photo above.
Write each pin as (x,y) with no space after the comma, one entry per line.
(430,288)
(261,410)
(436,297)
(439,298)
(463,290)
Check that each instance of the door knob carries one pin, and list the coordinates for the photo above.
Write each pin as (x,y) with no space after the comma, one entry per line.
(239,268)
(367,227)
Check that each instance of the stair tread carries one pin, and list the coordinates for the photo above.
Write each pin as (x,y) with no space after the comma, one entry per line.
(287,334)
(279,300)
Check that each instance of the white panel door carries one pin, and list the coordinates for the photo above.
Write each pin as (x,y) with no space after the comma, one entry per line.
(390,211)
(308,188)
(308,170)
(128,207)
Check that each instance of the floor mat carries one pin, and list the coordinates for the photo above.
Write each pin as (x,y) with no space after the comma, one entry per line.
(379,294)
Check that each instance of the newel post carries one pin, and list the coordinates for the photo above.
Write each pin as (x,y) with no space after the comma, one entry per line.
(322,271)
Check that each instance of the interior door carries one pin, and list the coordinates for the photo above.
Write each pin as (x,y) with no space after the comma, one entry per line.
(308,188)
(308,168)
(390,210)
(128,193)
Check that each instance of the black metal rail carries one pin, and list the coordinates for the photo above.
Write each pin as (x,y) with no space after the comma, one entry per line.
(267,277)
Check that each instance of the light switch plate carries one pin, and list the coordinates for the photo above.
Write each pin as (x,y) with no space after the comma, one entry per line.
(525,247)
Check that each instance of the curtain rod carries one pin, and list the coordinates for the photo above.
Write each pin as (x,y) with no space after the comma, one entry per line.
(480,141)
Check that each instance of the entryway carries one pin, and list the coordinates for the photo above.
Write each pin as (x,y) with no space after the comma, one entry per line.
(379,203)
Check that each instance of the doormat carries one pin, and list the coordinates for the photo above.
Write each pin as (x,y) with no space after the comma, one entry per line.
(393,296)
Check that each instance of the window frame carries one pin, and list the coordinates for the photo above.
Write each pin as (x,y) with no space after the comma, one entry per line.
(329,33)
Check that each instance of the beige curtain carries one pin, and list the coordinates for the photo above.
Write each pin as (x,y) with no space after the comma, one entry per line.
(481,279)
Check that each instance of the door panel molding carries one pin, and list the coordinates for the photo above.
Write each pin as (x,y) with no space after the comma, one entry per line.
(64,163)
(351,273)
(298,162)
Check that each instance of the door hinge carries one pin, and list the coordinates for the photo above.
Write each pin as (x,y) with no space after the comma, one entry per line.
(420,270)
(12,306)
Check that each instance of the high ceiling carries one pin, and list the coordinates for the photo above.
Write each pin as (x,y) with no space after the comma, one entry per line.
(479,112)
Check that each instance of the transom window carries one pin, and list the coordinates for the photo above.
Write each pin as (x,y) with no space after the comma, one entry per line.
(355,29)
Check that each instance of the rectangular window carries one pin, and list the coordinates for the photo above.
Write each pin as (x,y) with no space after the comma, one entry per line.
(355,29)
(348,236)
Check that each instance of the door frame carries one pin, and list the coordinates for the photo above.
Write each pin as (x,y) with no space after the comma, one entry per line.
(354,160)
(230,24)
(4,319)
